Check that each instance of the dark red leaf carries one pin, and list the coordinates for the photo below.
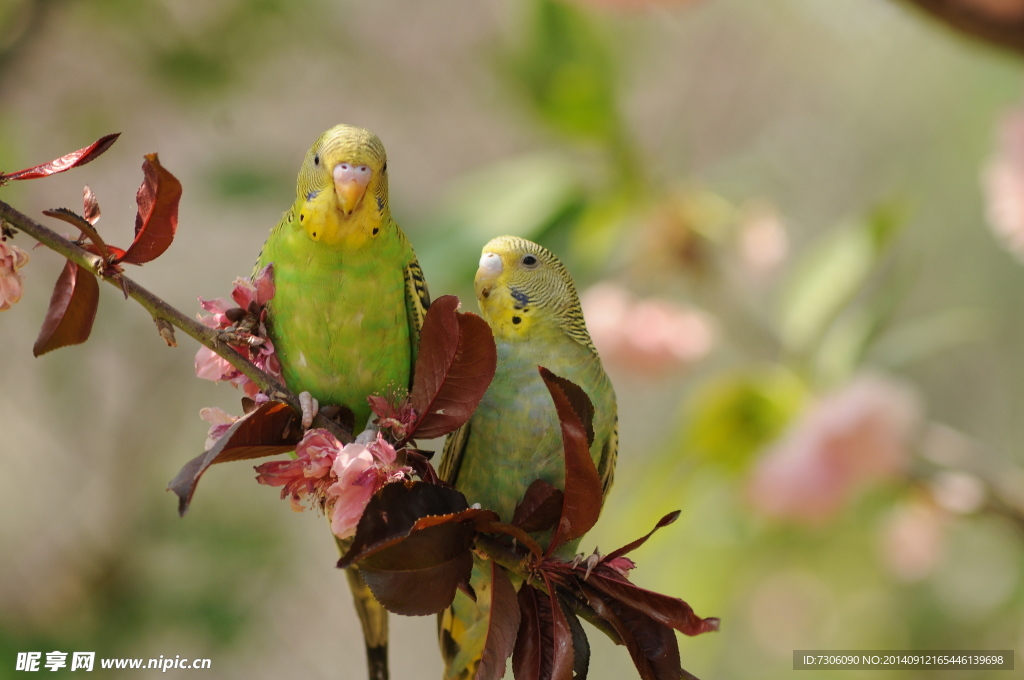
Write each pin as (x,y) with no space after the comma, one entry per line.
(580,644)
(393,511)
(72,310)
(65,162)
(540,508)
(456,363)
(630,547)
(421,591)
(502,627)
(266,431)
(412,545)
(98,246)
(651,645)
(528,656)
(583,492)
(111,251)
(157,219)
(524,539)
(669,611)
(543,649)
(90,205)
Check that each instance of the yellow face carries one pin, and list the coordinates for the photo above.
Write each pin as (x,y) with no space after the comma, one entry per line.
(342,189)
(522,287)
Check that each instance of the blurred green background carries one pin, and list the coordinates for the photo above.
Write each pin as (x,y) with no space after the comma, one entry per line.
(777,212)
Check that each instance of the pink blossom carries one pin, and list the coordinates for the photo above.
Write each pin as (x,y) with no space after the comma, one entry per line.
(622,565)
(856,436)
(763,241)
(360,471)
(220,421)
(340,479)
(648,336)
(913,539)
(251,297)
(1003,183)
(309,474)
(12,258)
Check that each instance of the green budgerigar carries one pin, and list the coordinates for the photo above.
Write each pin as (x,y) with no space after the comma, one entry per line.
(528,298)
(350,299)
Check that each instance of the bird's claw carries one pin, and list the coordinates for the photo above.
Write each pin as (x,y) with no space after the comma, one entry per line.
(592,562)
(310,407)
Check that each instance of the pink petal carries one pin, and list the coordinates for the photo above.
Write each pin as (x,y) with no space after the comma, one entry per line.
(264,284)
(244,292)
(212,366)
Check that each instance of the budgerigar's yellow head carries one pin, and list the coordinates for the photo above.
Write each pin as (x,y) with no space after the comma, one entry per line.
(342,190)
(523,288)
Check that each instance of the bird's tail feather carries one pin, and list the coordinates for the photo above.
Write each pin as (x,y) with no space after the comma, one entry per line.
(374,619)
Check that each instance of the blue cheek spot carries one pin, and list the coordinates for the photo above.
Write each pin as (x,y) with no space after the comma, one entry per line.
(312,194)
(380,204)
(520,297)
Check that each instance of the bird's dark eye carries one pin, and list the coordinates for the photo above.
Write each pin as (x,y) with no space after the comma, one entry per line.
(529,261)
(316,159)
(385,168)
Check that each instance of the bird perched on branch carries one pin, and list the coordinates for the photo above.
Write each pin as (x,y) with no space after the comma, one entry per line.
(349,302)
(528,298)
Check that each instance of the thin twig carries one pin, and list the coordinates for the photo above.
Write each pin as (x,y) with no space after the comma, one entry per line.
(162,311)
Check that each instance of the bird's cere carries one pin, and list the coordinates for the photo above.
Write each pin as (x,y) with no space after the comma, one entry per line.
(350,182)
(12,258)
(490,266)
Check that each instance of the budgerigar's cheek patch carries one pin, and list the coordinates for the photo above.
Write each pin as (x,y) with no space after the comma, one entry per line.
(521,298)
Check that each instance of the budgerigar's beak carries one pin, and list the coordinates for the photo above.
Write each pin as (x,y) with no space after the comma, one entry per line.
(490,269)
(350,182)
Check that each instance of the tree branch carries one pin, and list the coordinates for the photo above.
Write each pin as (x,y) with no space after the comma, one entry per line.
(997,23)
(163,313)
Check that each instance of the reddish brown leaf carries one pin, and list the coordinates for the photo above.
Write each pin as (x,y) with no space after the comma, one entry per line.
(412,534)
(502,627)
(455,365)
(583,493)
(633,545)
(580,644)
(72,310)
(540,508)
(651,645)
(524,539)
(666,610)
(543,649)
(157,219)
(264,432)
(65,162)
(90,205)
(422,591)
(98,246)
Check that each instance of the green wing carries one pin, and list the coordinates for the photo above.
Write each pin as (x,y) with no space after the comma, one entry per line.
(417,302)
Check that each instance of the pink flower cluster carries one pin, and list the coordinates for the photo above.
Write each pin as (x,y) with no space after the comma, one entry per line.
(1003,184)
(646,336)
(341,479)
(851,438)
(251,297)
(12,258)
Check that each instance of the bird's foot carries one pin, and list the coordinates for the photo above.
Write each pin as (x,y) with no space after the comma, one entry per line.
(310,407)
